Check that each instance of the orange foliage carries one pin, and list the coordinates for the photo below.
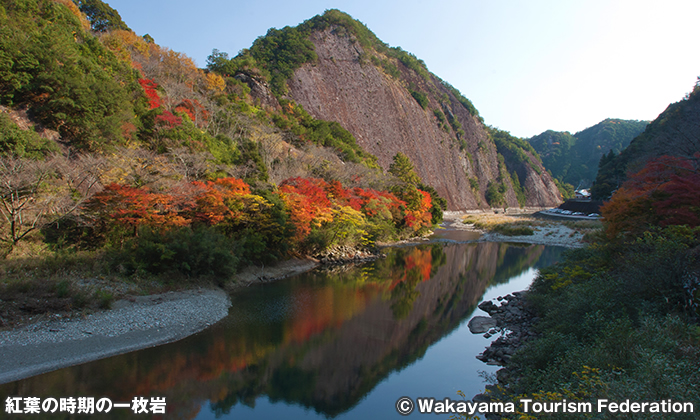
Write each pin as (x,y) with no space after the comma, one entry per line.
(379,203)
(135,207)
(665,192)
(214,199)
(209,202)
(307,203)
(418,215)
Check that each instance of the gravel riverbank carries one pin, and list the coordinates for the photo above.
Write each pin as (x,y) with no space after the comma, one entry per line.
(553,233)
(132,324)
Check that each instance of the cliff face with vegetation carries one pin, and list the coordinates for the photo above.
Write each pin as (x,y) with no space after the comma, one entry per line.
(390,107)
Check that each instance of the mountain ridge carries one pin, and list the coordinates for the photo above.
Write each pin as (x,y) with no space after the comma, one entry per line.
(574,158)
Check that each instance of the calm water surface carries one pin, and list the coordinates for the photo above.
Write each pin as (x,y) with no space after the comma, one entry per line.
(343,343)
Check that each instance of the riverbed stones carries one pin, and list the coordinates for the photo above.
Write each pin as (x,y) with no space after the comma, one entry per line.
(481,324)
(513,319)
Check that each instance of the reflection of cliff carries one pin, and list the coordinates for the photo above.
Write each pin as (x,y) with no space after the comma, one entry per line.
(322,341)
(513,262)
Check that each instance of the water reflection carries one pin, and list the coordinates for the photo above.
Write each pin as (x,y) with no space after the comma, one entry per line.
(322,340)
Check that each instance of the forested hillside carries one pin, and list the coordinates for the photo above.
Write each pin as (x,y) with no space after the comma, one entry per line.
(574,159)
(676,132)
(113,142)
(121,152)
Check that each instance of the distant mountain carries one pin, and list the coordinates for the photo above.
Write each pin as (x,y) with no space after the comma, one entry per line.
(574,158)
(675,132)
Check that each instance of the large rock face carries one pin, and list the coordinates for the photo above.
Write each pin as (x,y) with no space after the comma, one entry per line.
(379,110)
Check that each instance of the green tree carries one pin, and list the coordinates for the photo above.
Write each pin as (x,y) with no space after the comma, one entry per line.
(495,194)
(22,143)
(102,17)
(403,169)
(68,80)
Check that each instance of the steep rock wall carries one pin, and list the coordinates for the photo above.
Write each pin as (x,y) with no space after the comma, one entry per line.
(379,110)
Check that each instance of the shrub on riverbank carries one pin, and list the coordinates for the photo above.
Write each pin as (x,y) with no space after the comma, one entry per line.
(504,225)
(514,230)
(627,310)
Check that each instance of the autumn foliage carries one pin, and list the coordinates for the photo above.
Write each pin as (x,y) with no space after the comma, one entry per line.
(665,192)
(122,205)
(318,213)
(149,86)
(314,203)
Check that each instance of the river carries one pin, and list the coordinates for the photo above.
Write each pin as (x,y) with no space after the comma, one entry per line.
(341,343)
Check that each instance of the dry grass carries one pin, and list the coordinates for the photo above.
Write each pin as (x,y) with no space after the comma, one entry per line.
(518,224)
(510,225)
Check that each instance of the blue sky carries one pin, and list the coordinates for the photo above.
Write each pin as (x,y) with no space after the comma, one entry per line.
(527,65)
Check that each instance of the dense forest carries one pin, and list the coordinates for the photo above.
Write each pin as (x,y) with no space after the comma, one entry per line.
(573,158)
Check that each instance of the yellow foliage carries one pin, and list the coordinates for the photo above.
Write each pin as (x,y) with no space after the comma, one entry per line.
(123,43)
(214,82)
(348,222)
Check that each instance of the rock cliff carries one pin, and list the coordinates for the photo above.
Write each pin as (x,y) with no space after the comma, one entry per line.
(392,108)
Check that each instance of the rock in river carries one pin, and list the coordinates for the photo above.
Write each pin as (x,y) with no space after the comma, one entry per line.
(481,324)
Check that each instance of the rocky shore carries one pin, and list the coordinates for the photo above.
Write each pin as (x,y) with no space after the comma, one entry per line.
(346,254)
(513,320)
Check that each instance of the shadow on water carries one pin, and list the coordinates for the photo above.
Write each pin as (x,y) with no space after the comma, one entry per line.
(322,341)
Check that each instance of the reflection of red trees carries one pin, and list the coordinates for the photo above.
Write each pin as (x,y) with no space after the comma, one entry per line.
(665,192)
(417,262)
(209,360)
(328,307)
